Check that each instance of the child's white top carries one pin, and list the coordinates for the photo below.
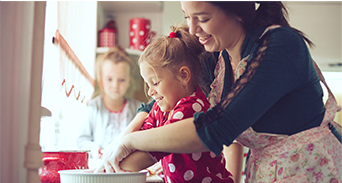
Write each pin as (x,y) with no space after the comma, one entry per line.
(101,126)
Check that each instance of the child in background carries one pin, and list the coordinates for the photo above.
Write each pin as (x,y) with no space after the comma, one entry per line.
(171,68)
(110,112)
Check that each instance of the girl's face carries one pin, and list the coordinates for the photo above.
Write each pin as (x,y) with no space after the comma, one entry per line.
(164,87)
(115,79)
(215,29)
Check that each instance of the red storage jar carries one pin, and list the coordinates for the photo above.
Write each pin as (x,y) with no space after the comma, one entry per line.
(54,161)
(139,33)
(107,36)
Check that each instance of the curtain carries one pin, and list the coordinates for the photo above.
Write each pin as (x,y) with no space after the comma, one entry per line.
(76,42)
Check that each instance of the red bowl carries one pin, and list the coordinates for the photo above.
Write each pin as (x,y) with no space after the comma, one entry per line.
(53,161)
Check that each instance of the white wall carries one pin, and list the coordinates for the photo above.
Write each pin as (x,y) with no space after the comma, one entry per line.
(22,25)
(321,22)
(172,15)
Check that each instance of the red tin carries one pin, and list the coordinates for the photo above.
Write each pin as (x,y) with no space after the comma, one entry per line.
(107,36)
(139,33)
(61,160)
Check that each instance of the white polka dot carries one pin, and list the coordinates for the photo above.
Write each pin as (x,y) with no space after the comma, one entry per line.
(141,33)
(200,101)
(219,175)
(148,41)
(212,155)
(172,167)
(196,107)
(178,115)
(134,26)
(155,113)
(168,179)
(134,40)
(196,156)
(206,180)
(141,47)
(188,175)
(208,169)
(178,102)
(157,123)
(148,26)
(131,33)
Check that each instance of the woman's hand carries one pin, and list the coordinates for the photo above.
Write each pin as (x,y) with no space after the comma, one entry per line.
(108,155)
(96,152)
(113,155)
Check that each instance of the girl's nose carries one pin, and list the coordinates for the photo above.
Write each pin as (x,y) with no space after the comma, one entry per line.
(115,83)
(151,91)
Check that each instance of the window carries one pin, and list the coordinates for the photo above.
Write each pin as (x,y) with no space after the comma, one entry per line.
(76,22)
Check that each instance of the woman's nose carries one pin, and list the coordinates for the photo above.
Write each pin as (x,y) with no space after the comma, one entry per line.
(193,27)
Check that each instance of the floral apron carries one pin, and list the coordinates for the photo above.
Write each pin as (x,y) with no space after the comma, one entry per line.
(314,155)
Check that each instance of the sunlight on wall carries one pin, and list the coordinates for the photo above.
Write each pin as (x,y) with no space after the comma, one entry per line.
(334,81)
(58,130)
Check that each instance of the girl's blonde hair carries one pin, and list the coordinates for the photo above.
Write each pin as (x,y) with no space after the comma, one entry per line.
(116,55)
(175,52)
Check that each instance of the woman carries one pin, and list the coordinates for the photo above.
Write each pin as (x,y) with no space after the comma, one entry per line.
(266,94)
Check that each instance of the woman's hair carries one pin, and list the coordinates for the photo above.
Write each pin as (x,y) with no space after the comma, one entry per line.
(115,55)
(268,13)
(176,51)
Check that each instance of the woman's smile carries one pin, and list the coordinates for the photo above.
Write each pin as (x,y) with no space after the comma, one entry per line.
(204,39)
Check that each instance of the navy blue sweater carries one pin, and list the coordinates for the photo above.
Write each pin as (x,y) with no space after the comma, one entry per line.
(284,96)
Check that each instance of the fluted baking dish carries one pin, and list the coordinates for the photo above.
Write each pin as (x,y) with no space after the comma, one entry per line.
(83,176)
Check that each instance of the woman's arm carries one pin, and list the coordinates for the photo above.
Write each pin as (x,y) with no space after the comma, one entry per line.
(181,137)
(136,161)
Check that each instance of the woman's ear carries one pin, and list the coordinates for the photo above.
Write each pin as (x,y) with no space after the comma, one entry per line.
(185,75)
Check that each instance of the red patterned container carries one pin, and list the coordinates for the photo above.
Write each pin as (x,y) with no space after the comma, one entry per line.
(139,33)
(107,36)
(61,160)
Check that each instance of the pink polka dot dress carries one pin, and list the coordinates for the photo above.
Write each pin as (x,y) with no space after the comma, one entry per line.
(200,167)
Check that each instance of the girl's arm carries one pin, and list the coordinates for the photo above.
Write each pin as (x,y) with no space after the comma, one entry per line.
(135,124)
(139,119)
(234,160)
(136,161)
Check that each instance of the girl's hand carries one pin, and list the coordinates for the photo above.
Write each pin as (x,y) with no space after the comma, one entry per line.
(155,169)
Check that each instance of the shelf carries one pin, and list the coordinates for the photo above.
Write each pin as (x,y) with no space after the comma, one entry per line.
(131,6)
(100,50)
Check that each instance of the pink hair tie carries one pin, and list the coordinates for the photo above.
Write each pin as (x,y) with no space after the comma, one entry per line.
(173,35)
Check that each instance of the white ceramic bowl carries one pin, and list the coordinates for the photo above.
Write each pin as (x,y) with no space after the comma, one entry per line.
(82,176)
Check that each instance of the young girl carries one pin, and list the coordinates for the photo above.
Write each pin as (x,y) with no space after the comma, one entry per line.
(110,112)
(170,67)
